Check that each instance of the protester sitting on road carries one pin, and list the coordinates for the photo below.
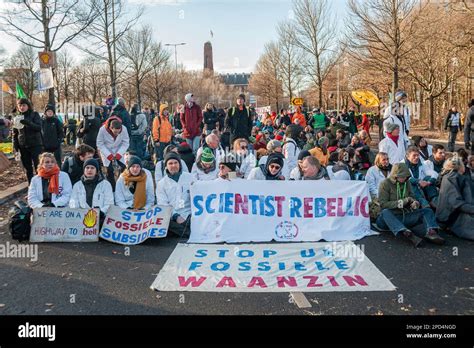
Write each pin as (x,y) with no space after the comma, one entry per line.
(74,165)
(343,138)
(271,170)
(426,150)
(187,155)
(275,146)
(246,160)
(174,190)
(378,173)
(422,180)
(134,187)
(393,145)
(455,209)
(341,169)
(92,191)
(313,170)
(321,152)
(50,187)
(112,143)
(212,142)
(131,153)
(297,173)
(361,154)
(436,161)
(160,168)
(401,210)
(205,168)
(227,168)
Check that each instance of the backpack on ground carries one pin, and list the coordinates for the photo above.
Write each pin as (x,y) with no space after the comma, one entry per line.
(19,221)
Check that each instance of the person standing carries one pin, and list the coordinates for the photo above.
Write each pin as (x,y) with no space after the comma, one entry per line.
(398,113)
(27,136)
(393,144)
(453,122)
(162,132)
(138,130)
(52,132)
(239,121)
(210,118)
(121,112)
(71,133)
(191,119)
(469,128)
(89,127)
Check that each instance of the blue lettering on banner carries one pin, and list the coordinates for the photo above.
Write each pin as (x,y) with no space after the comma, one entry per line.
(228,203)
(244,266)
(269,203)
(319,207)
(295,205)
(201,253)
(196,201)
(209,199)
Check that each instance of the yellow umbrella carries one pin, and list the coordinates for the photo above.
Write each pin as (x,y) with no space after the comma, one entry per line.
(366,98)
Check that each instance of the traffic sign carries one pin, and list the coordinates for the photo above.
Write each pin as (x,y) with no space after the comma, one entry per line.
(297,101)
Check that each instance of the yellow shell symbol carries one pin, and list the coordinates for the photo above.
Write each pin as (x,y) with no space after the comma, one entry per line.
(90,219)
(45,58)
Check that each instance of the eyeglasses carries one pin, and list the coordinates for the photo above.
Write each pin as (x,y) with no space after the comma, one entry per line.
(222,166)
(244,147)
(274,166)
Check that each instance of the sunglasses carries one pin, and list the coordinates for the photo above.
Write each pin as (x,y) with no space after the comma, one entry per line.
(274,166)
(244,147)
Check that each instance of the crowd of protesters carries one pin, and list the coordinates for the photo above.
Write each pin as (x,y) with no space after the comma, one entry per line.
(137,158)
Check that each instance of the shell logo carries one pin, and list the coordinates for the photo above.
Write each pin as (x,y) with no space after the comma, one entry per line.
(45,58)
(90,219)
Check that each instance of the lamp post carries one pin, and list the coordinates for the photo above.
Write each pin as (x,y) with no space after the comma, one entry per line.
(176,64)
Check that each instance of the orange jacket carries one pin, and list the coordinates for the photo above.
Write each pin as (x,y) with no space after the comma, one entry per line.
(318,153)
(162,130)
(301,117)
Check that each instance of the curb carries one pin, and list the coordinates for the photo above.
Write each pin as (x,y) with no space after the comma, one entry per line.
(13,192)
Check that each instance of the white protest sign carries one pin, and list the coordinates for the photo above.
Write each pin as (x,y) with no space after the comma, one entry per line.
(261,211)
(262,110)
(65,225)
(131,227)
(306,267)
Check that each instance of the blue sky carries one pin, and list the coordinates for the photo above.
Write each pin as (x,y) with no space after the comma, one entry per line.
(241,28)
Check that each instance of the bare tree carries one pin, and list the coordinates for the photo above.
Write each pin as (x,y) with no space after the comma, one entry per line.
(315,33)
(24,62)
(61,21)
(66,63)
(101,37)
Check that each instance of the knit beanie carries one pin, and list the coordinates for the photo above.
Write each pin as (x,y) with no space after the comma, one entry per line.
(207,156)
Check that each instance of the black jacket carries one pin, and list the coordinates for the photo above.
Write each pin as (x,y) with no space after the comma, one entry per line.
(239,123)
(52,131)
(88,131)
(123,114)
(73,166)
(210,119)
(187,156)
(30,135)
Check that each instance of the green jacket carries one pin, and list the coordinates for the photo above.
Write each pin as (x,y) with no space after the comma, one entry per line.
(391,191)
(319,121)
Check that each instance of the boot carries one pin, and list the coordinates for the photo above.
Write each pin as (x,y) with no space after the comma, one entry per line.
(416,241)
(434,237)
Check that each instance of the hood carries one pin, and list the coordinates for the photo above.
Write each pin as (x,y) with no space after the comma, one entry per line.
(399,170)
(110,119)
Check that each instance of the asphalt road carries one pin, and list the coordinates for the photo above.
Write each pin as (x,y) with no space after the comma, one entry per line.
(429,280)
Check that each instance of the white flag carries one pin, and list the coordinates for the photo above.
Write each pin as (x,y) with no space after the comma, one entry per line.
(45,79)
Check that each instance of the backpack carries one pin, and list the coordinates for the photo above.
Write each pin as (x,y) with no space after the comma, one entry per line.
(19,221)
(70,162)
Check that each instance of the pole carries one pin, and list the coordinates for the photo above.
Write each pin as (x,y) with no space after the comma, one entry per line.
(338,99)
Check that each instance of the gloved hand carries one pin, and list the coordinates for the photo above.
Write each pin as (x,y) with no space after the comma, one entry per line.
(110,157)
(118,157)
(415,205)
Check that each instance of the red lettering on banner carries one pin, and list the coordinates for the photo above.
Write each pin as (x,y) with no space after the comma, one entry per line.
(312,281)
(183,282)
(282,281)
(257,281)
(241,204)
(340,211)
(332,280)
(226,281)
(308,208)
(364,207)
(351,281)
(279,200)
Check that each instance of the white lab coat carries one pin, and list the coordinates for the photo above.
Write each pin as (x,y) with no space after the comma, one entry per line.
(339,175)
(396,153)
(389,117)
(248,163)
(124,198)
(423,171)
(102,198)
(176,194)
(141,123)
(291,152)
(285,171)
(373,178)
(295,174)
(159,174)
(199,175)
(35,192)
(107,145)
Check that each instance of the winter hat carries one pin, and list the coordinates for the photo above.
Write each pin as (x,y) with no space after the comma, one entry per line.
(275,158)
(391,127)
(50,107)
(303,154)
(242,96)
(273,144)
(279,137)
(207,156)
(187,97)
(132,160)
(172,156)
(92,162)
(399,95)
(162,108)
(230,162)
(169,148)
(323,140)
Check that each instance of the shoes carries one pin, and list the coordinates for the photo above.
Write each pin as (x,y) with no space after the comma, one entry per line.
(416,241)
(434,237)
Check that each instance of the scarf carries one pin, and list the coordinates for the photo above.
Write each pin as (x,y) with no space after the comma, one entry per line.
(108,122)
(393,137)
(385,170)
(89,186)
(139,196)
(268,175)
(424,152)
(176,176)
(53,176)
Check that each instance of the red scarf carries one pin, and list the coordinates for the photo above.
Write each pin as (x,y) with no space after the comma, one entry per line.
(393,137)
(53,176)
(108,122)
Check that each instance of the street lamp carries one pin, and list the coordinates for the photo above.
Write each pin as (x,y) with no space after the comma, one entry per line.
(176,64)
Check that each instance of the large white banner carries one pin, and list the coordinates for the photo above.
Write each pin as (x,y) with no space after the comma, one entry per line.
(260,211)
(131,227)
(306,267)
(65,225)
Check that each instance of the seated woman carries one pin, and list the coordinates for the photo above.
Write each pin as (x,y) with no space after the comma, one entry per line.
(50,187)
(425,150)
(271,170)
(455,210)
(378,173)
(341,169)
(275,146)
(205,168)
(361,152)
(246,160)
(134,188)
(92,191)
